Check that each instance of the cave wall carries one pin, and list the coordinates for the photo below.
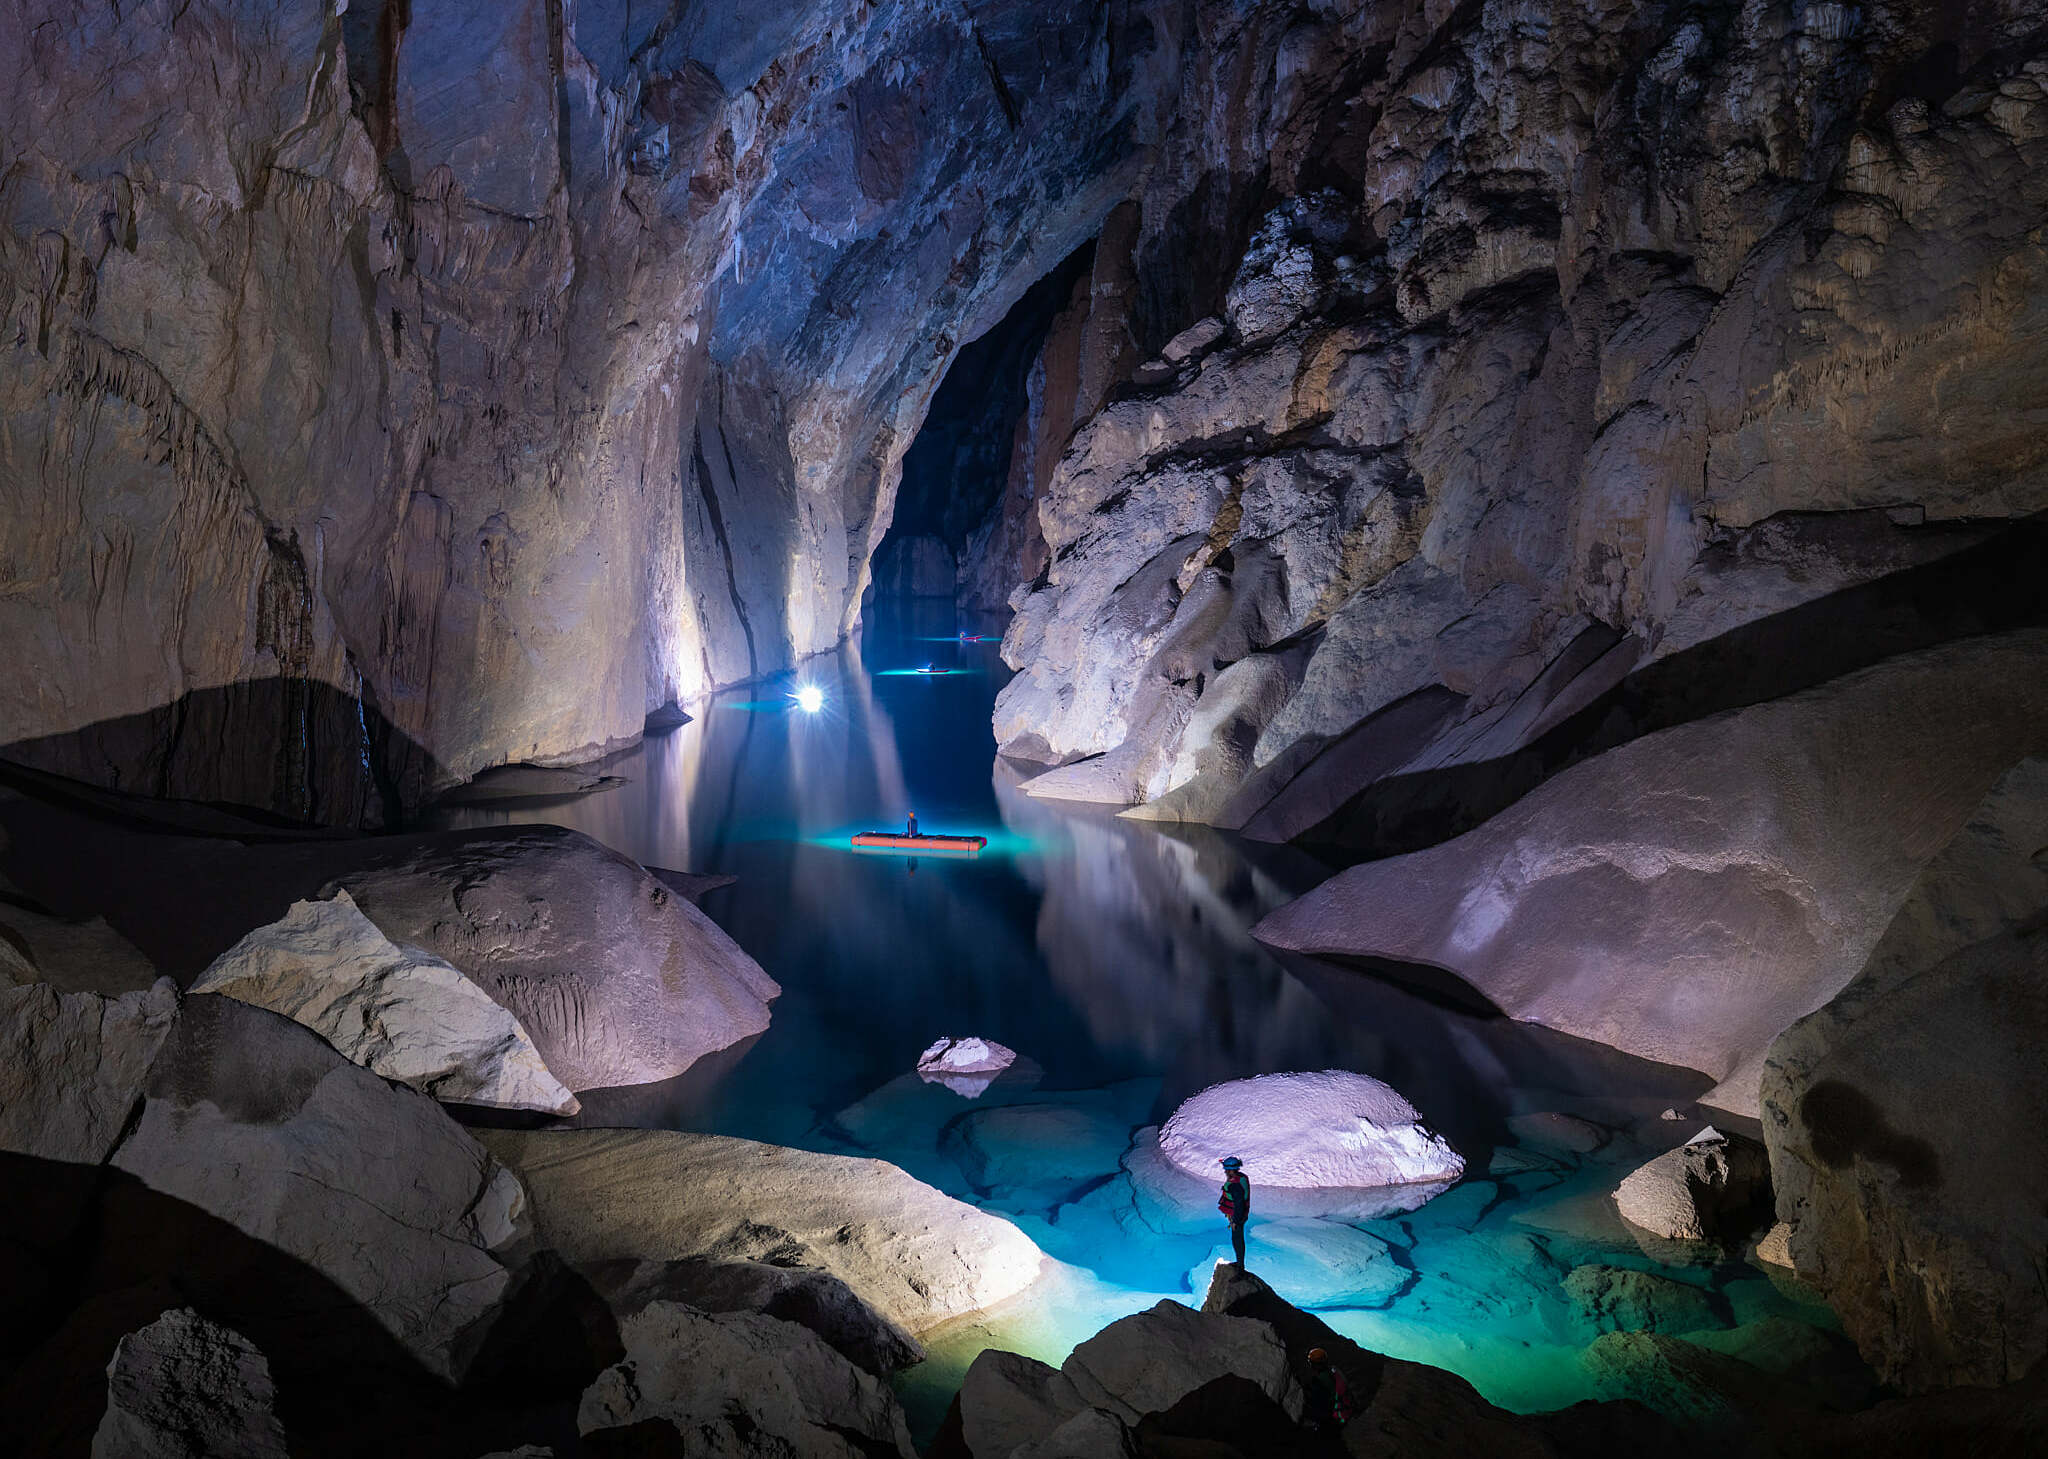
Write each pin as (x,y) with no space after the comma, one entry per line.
(393,394)
(1566,341)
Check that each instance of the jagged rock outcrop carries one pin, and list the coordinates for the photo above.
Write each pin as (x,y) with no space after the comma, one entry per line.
(1689,895)
(246,1116)
(915,1256)
(739,1383)
(1904,1117)
(396,1011)
(1586,365)
(184,1386)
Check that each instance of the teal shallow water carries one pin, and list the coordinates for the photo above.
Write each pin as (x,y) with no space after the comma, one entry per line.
(1115,957)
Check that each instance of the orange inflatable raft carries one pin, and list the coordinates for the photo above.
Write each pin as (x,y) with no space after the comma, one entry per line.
(920,845)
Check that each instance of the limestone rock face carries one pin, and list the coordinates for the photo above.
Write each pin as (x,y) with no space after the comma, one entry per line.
(1304,1131)
(557,366)
(616,978)
(184,1386)
(396,1011)
(914,567)
(915,1256)
(743,1384)
(1471,407)
(1712,1186)
(1921,1215)
(1689,895)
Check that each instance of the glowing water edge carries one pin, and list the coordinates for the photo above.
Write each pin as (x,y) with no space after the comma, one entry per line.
(1113,956)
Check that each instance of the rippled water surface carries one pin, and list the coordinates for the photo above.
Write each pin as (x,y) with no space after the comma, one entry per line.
(1114,956)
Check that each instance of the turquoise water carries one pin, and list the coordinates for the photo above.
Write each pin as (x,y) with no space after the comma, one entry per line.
(1114,956)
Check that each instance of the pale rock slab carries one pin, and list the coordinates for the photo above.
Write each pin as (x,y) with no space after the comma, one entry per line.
(183,1387)
(744,1385)
(615,977)
(1622,902)
(1303,1131)
(396,1011)
(915,1256)
(1701,1191)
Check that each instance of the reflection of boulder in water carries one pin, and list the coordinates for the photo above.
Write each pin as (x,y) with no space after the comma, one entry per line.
(967,1066)
(1144,933)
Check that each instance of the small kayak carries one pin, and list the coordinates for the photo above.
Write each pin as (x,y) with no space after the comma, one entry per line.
(919,845)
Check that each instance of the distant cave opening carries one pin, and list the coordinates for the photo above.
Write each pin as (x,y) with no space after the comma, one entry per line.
(964,520)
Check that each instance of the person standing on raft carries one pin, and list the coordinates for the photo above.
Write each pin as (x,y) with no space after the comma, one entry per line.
(912,831)
(1235,1203)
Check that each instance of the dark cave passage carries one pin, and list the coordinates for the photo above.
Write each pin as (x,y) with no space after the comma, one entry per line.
(965,522)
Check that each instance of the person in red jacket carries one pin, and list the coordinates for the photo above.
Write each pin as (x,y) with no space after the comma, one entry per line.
(1236,1202)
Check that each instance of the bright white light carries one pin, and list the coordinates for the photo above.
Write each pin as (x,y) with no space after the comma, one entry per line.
(810,698)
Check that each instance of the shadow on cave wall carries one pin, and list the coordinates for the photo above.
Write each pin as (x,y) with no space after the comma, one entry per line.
(288,752)
(89,1253)
(1996,586)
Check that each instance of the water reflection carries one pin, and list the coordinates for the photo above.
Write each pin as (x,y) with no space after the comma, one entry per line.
(1114,957)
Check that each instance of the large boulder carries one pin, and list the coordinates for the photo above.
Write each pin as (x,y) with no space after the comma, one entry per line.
(914,1255)
(184,1387)
(255,1120)
(73,1066)
(396,1011)
(377,1202)
(1304,1131)
(1904,1118)
(742,1384)
(1142,1364)
(617,979)
(1688,896)
(1712,1187)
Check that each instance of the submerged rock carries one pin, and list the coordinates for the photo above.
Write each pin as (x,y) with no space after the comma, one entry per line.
(396,1011)
(1713,1187)
(1904,1119)
(1616,1299)
(1312,1263)
(185,1387)
(912,1254)
(739,1383)
(1304,1131)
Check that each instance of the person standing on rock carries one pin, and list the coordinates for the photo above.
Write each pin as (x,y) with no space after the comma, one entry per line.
(1236,1202)
(913,825)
